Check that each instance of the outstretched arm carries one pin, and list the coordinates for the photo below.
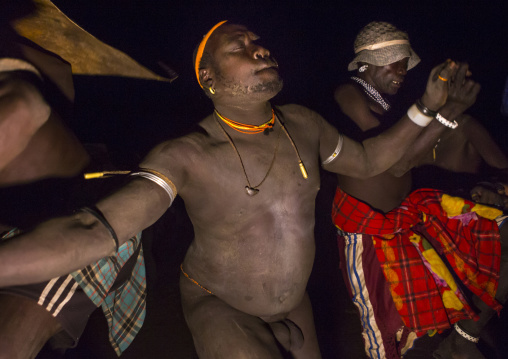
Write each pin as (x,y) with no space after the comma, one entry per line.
(62,245)
(377,154)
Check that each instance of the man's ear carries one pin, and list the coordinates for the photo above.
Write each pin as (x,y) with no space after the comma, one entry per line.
(206,78)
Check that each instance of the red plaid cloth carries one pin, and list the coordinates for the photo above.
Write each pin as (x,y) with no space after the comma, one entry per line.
(457,231)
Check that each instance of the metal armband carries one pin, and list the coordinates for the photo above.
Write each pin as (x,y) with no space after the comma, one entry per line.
(336,152)
(159,179)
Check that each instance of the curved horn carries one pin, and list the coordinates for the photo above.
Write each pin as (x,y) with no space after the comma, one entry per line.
(51,29)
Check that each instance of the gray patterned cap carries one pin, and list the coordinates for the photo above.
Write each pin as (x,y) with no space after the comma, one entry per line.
(381,44)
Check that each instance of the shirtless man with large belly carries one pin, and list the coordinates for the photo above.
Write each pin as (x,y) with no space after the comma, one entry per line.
(248,176)
(246,248)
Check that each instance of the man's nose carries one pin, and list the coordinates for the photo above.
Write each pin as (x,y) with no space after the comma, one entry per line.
(260,52)
(402,70)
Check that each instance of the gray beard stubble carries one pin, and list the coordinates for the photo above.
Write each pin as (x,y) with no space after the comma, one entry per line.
(274,86)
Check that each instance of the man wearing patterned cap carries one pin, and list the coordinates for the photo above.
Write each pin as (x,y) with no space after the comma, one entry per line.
(384,44)
(388,290)
(249,178)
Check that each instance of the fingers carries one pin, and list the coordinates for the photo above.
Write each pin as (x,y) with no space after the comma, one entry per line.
(476,193)
(461,88)
(445,71)
(436,71)
(473,88)
(436,91)
(488,197)
(469,87)
(460,75)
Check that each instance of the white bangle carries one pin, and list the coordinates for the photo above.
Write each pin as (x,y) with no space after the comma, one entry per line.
(445,122)
(162,181)
(417,117)
(336,152)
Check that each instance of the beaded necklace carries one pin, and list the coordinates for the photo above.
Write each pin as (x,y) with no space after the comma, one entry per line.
(248,129)
(249,189)
(372,93)
(253,190)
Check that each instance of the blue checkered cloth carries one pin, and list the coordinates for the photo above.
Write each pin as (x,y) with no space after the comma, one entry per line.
(124,307)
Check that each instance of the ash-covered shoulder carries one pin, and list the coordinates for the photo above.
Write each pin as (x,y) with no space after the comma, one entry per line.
(184,147)
(293,113)
(177,158)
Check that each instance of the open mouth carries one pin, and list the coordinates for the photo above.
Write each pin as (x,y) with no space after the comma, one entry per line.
(396,84)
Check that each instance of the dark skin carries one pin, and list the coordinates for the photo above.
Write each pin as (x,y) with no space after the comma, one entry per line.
(255,254)
(34,145)
(34,142)
(462,150)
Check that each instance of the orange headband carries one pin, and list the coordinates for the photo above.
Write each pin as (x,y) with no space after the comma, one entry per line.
(201,49)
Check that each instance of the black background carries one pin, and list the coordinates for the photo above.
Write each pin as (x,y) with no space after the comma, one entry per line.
(311,40)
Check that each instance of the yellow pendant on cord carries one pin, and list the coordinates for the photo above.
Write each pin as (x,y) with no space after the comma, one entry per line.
(304,171)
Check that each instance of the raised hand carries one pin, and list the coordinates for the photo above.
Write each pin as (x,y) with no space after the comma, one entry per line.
(436,92)
(462,91)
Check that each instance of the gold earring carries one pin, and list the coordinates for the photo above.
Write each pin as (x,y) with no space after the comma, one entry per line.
(212,90)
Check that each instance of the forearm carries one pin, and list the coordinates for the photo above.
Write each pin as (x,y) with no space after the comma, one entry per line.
(54,248)
(427,140)
(374,155)
(63,245)
(423,144)
(383,151)
(451,111)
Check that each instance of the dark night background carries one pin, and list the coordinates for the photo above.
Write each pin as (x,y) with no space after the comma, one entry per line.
(311,40)
(313,43)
